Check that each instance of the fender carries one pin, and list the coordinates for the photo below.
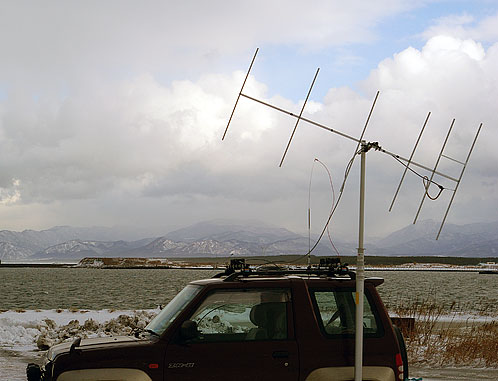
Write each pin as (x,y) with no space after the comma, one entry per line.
(108,374)
(373,373)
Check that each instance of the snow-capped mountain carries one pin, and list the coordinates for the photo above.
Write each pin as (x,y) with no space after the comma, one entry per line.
(472,240)
(77,249)
(33,241)
(9,251)
(225,230)
(221,238)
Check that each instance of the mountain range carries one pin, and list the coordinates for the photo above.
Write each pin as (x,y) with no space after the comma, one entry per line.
(223,238)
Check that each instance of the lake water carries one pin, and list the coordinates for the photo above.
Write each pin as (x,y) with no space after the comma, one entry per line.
(128,289)
(94,289)
(28,296)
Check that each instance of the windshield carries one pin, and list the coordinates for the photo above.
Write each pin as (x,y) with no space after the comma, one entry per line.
(169,313)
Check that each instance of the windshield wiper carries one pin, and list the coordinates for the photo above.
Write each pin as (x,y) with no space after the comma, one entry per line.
(154,333)
(150,331)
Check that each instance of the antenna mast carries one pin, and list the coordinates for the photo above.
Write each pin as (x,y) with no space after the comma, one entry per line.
(361,149)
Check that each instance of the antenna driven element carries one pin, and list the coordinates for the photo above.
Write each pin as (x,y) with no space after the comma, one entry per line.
(409,161)
(428,183)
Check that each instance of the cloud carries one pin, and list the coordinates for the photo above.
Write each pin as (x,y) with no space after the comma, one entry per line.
(452,78)
(59,44)
(140,140)
(10,195)
(465,26)
(112,112)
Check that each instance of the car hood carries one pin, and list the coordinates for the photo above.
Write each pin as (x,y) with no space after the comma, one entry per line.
(93,343)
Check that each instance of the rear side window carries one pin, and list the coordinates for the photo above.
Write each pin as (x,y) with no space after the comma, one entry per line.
(335,310)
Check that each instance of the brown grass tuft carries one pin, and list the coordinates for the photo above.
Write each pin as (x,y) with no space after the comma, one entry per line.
(441,337)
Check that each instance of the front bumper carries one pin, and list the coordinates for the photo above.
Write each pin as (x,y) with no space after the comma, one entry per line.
(35,372)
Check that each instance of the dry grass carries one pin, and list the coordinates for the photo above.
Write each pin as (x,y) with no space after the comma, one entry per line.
(441,337)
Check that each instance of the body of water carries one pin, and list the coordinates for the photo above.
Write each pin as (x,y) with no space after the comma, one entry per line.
(93,289)
(129,289)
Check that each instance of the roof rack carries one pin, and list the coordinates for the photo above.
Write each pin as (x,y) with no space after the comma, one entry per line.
(329,267)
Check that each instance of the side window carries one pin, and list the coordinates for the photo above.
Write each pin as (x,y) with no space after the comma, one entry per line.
(243,315)
(336,311)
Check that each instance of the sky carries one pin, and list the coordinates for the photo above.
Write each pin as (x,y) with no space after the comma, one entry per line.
(112,113)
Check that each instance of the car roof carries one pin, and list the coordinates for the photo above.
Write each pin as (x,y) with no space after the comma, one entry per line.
(282,278)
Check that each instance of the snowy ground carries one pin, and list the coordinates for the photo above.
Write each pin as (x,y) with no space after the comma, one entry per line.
(20,330)
(455,374)
(21,333)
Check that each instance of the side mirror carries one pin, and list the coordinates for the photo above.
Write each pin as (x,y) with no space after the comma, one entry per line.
(188,330)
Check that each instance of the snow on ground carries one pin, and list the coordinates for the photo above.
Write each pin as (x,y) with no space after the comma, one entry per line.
(25,334)
(453,374)
(30,330)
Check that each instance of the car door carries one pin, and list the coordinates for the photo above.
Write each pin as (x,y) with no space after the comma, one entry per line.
(238,333)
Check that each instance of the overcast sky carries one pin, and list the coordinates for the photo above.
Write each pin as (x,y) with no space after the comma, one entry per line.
(112,112)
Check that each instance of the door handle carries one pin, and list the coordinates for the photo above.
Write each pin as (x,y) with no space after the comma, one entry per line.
(280,355)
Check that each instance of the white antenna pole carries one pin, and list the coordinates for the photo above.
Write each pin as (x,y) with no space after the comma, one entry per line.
(360,275)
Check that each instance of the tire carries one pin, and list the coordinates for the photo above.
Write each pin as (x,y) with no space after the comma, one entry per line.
(402,348)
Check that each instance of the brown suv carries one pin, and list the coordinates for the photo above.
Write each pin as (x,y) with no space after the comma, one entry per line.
(247,325)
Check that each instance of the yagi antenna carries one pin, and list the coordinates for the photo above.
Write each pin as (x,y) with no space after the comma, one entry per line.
(409,161)
(361,149)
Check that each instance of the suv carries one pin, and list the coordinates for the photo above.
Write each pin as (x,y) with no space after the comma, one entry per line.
(246,324)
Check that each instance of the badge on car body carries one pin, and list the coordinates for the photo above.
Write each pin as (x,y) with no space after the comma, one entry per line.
(181,364)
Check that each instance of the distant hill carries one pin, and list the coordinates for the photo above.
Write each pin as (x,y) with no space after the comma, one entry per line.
(227,238)
(21,245)
(11,251)
(223,238)
(77,249)
(226,230)
(471,240)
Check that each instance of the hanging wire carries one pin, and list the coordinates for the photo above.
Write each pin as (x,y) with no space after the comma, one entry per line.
(316,160)
(427,183)
(332,206)
(346,174)
(341,192)
(425,180)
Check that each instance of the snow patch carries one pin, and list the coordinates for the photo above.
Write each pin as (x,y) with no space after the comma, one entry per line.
(31,330)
